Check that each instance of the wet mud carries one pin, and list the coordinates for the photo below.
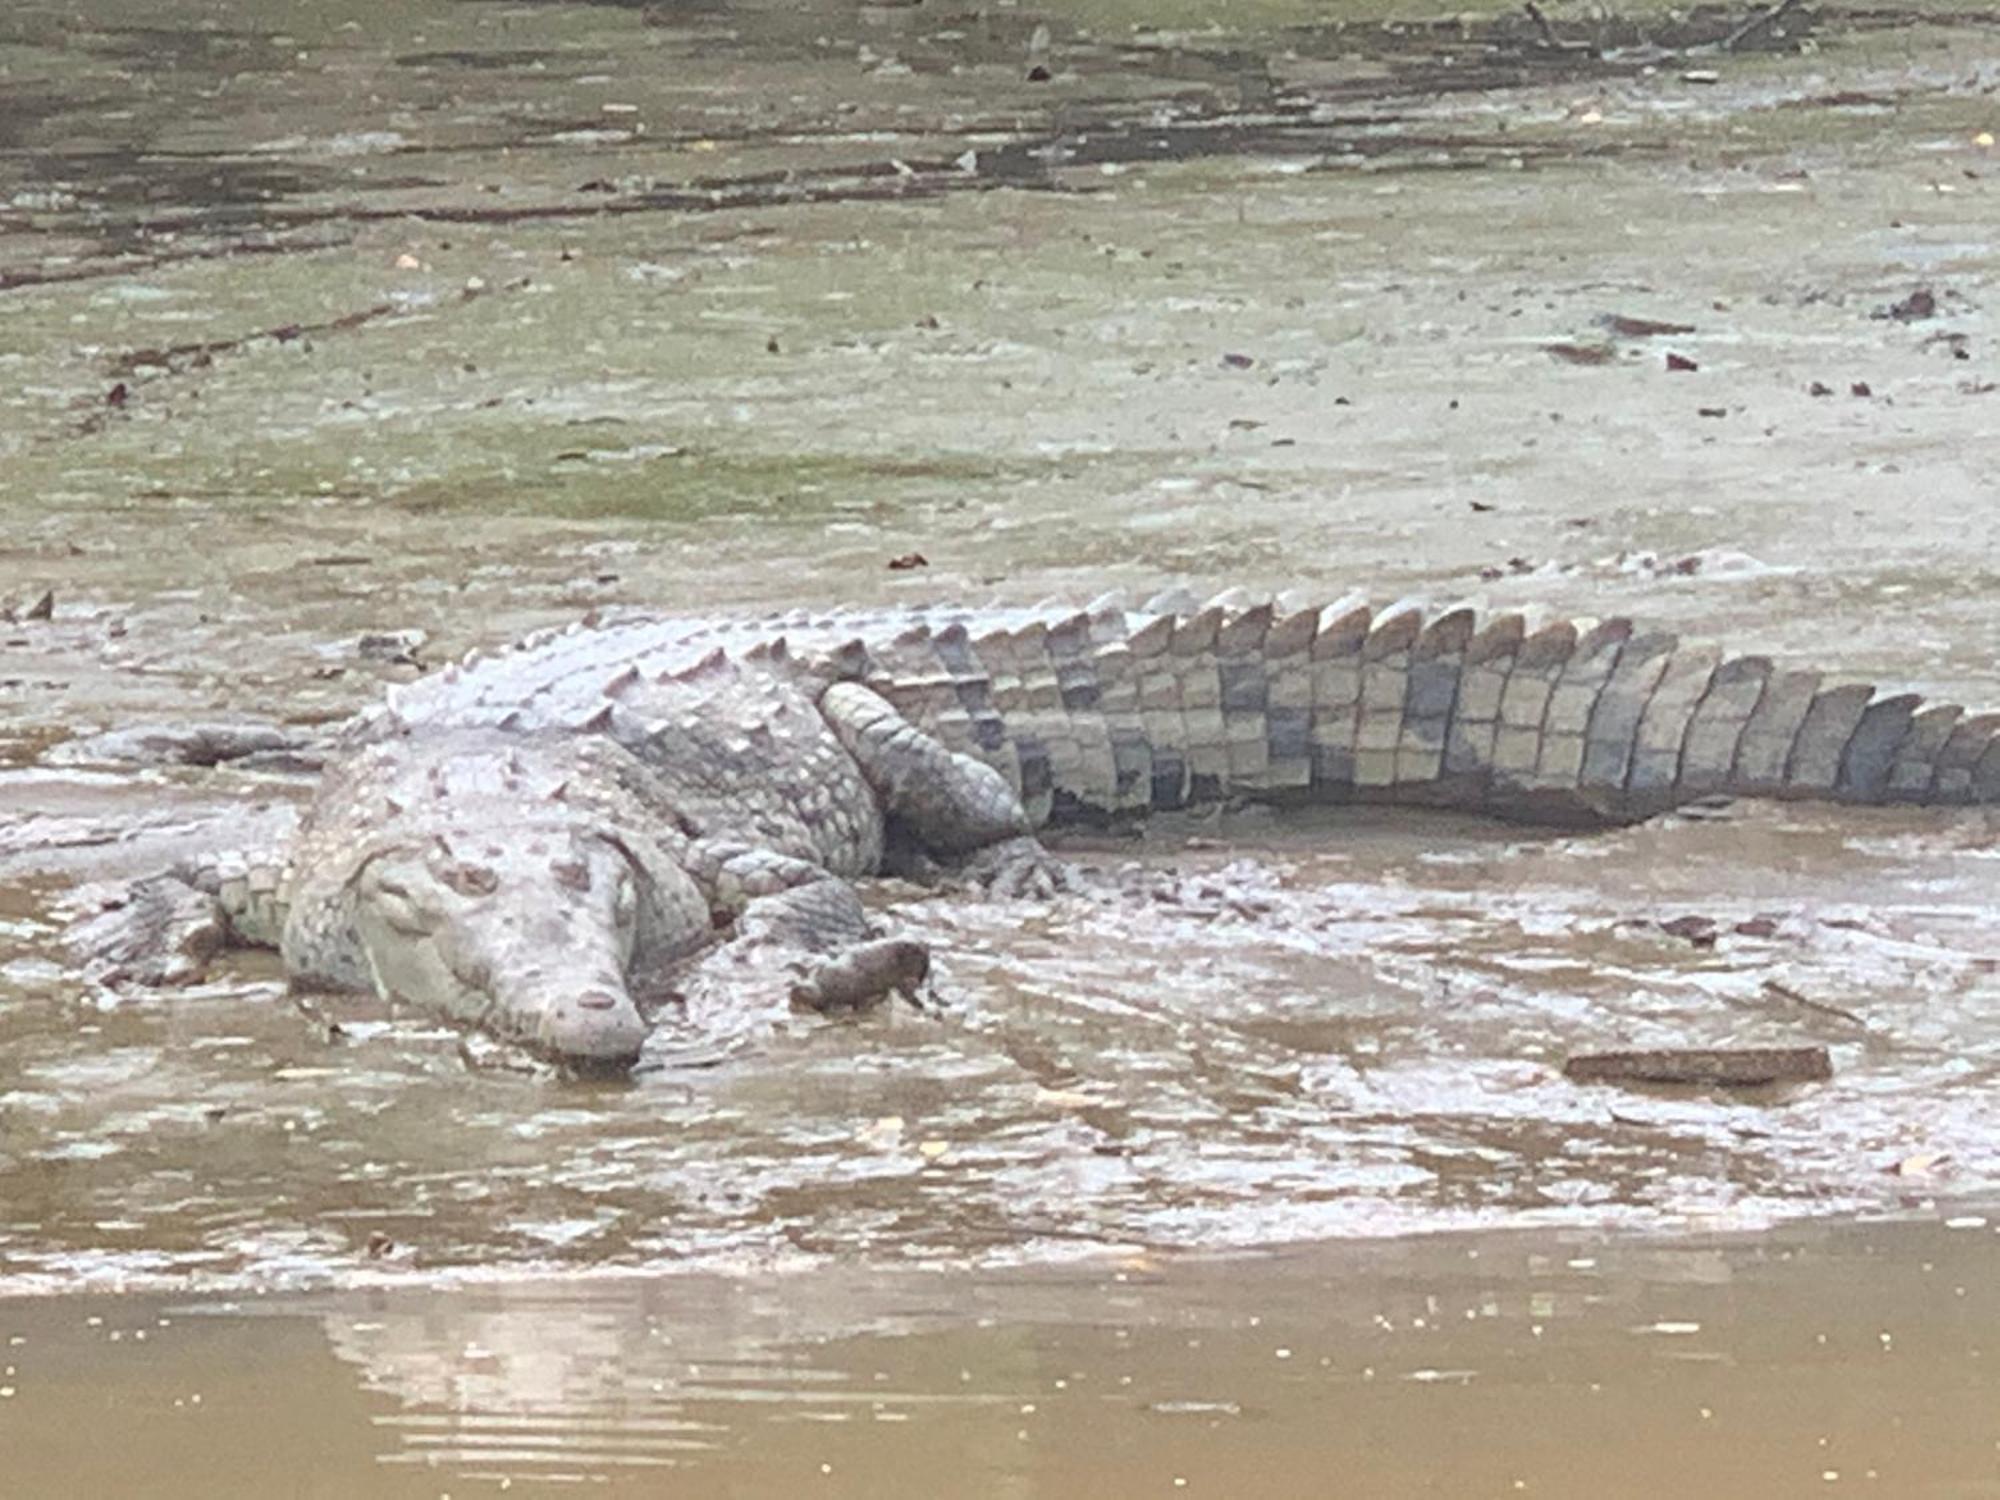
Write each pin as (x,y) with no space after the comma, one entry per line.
(444,321)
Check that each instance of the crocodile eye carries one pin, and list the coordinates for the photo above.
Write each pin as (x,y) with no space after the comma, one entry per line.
(398,910)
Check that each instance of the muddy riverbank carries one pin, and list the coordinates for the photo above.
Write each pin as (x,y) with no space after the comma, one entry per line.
(458,319)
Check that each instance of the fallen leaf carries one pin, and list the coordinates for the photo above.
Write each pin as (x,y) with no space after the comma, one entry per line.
(908,561)
(1920,304)
(1699,931)
(933,1150)
(1680,362)
(1237,361)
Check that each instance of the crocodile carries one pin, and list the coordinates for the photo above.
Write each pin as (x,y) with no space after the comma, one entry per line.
(564,840)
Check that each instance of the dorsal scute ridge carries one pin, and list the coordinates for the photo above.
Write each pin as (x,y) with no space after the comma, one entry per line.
(1395,629)
(1177,601)
(1233,601)
(1245,630)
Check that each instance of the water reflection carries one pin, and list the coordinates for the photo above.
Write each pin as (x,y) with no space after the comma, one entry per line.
(1564,1365)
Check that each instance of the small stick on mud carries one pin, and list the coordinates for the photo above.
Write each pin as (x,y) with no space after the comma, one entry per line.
(1755,24)
(1785,992)
(1550,40)
(1715,1067)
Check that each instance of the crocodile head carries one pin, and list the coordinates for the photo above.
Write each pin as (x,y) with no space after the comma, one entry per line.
(531,888)
(530,933)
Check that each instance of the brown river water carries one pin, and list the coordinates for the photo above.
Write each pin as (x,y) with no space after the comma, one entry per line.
(1246,1169)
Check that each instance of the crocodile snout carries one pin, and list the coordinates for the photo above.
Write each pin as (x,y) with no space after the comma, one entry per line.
(595,1030)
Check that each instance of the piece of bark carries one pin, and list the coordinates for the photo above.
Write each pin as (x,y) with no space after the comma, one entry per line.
(1728,1067)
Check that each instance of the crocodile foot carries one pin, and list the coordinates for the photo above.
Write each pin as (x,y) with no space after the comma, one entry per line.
(864,975)
(1019,868)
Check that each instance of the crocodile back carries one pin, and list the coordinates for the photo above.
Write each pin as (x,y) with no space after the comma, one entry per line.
(1108,711)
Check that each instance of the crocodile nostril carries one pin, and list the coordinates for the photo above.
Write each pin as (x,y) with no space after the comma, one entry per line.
(597,1000)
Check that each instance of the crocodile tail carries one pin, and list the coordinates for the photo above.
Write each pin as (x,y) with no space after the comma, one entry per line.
(1103,713)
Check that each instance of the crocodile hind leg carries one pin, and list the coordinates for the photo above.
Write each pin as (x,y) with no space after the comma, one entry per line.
(947,805)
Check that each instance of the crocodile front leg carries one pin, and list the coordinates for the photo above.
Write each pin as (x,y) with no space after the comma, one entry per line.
(167,929)
(797,935)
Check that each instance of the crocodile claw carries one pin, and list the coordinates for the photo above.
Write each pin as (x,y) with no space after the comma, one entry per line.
(1018,868)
